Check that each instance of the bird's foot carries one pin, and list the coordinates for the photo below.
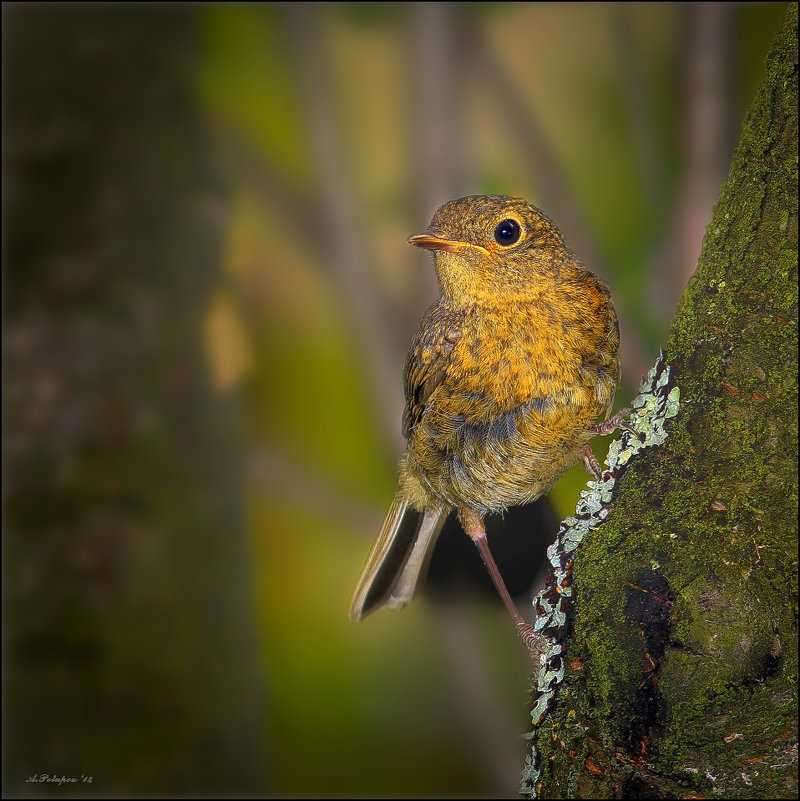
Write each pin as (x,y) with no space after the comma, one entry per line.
(531,639)
(590,462)
(613,423)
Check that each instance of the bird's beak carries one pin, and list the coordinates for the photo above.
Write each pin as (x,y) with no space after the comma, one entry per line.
(433,240)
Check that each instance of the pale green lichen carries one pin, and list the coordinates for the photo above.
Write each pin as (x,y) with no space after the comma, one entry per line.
(653,407)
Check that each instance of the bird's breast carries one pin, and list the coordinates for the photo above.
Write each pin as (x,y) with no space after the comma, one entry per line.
(523,385)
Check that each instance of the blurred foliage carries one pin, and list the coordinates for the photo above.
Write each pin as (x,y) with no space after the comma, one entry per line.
(335,130)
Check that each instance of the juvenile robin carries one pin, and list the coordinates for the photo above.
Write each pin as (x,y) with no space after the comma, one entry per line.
(507,374)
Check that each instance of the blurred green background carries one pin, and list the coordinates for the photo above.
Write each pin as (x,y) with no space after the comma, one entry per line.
(207,302)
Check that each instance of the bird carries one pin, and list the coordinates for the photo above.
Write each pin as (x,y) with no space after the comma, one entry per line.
(506,377)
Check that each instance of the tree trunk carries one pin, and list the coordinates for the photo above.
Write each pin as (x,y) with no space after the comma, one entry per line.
(680,660)
(129,653)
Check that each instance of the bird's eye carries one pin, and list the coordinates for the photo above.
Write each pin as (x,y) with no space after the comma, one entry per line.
(507,232)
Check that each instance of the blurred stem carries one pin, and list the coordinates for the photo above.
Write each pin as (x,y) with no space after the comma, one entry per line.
(437,111)
(706,133)
(437,92)
(706,144)
(342,222)
(641,110)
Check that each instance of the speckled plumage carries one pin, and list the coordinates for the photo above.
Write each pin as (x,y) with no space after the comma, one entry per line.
(506,375)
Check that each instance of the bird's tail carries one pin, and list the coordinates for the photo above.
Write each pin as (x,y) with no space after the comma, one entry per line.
(399,558)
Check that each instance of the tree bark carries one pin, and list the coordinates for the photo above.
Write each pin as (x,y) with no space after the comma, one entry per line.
(680,663)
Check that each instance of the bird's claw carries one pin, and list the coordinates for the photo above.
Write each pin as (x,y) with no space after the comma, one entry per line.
(590,463)
(531,639)
(613,423)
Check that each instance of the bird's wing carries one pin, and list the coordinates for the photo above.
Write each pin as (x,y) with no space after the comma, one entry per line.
(427,361)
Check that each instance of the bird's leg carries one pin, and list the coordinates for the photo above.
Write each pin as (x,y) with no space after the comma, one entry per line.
(608,426)
(472,523)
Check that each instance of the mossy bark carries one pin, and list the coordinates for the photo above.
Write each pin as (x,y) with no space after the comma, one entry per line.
(681,669)
(129,661)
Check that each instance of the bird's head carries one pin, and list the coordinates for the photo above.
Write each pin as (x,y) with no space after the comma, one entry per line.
(488,246)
